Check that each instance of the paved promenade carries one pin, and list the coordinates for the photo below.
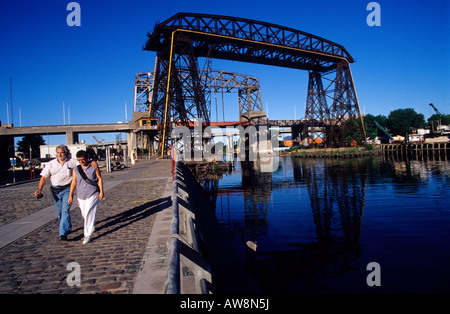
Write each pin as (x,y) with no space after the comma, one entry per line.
(127,253)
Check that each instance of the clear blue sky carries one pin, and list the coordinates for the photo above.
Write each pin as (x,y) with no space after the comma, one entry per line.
(402,63)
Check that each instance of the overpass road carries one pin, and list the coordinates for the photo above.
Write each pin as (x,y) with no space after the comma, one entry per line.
(71,130)
(8,132)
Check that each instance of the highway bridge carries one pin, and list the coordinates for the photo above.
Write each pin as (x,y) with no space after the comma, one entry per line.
(71,131)
(8,132)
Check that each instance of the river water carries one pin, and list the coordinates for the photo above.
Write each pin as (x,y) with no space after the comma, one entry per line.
(318,223)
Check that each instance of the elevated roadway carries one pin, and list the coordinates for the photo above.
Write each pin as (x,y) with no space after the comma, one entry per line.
(71,130)
(8,132)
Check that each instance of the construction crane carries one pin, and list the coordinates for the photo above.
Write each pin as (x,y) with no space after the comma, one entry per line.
(98,141)
(382,129)
(441,129)
(435,109)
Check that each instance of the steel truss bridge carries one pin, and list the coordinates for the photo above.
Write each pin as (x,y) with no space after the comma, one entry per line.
(179,86)
(247,88)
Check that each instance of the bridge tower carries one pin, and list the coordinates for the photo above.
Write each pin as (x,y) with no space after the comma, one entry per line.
(346,118)
(317,113)
(246,87)
(178,93)
(338,123)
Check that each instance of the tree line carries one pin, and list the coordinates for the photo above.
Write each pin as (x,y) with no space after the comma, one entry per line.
(402,122)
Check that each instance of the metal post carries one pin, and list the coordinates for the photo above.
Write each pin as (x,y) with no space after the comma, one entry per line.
(14,170)
(108,159)
(125,156)
(172,285)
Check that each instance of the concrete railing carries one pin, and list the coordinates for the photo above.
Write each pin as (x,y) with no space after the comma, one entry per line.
(182,245)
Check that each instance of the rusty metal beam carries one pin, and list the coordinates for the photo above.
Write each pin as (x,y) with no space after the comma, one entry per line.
(250,41)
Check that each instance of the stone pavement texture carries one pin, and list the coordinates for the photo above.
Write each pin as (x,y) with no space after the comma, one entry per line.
(37,262)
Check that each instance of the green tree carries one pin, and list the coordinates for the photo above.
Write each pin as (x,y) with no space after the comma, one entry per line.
(352,130)
(33,140)
(372,131)
(402,121)
(435,119)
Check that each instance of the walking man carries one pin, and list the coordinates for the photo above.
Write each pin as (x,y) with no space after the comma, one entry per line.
(60,172)
(89,183)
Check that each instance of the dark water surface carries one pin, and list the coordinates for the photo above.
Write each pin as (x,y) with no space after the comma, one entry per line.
(318,223)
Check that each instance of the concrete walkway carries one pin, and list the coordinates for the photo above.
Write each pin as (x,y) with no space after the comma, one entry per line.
(127,254)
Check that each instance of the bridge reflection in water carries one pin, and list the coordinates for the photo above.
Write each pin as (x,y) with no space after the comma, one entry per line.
(289,259)
(318,223)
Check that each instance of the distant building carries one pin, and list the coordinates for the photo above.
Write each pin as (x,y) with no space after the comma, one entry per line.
(49,151)
(442,135)
(418,135)
(443,129)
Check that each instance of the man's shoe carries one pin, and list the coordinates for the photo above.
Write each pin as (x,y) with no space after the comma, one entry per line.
(63,238)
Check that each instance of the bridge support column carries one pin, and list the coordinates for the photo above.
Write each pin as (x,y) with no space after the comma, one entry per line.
(348,124)
(230,147)
(267,157)
(295,132)
(71,137)
(316,112)
(131,139)
(6,150)
(176,95)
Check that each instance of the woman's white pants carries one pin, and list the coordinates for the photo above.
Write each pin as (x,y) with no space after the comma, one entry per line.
(88,209)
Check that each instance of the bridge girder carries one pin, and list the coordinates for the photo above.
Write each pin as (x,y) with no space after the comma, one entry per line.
(248,40)
(247,87)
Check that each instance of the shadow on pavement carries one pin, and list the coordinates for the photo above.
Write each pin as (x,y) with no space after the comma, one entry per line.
(119,221)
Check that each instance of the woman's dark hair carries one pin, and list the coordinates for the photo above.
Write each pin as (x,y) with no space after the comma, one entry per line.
(82,153)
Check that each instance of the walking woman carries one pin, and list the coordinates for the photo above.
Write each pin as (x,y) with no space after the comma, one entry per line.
(89,183)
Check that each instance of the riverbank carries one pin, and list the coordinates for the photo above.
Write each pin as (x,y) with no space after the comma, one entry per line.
(341,152)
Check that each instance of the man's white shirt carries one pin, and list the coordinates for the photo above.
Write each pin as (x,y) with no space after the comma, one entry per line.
(59,174)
